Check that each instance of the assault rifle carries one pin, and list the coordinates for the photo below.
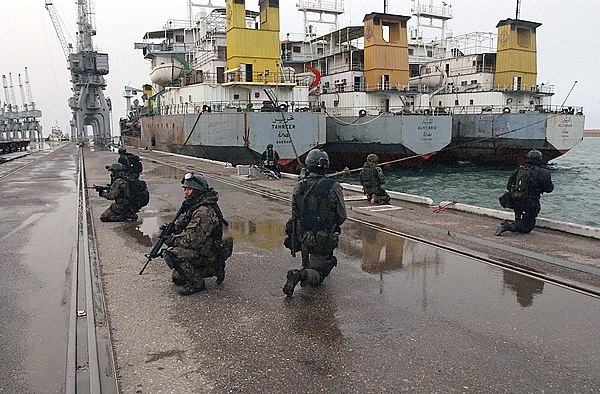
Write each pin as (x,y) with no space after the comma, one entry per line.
(165,232)
(293,234)
(99,188)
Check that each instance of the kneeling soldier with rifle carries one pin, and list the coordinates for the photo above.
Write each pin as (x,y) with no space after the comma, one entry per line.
(123,208)
(196,249)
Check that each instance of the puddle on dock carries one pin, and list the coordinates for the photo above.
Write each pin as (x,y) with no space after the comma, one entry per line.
(446,285)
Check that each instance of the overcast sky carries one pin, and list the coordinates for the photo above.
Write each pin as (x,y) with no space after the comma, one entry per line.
(567,43)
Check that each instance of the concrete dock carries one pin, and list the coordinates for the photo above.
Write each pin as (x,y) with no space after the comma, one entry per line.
(420,301)
(363,330)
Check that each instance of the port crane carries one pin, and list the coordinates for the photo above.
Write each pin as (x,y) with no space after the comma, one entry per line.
(88,105)
(30,124)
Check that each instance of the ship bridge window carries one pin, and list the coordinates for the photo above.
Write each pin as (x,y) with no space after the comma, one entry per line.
(179,38)
(523,38)
(319,51)
(296,49)
(455,102)
(471,102)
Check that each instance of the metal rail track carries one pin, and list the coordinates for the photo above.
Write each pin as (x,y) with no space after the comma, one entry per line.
(90,362)
(558,281)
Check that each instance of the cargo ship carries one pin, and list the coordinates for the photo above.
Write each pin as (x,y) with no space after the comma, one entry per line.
(383,80)
(219,90)
(488,81)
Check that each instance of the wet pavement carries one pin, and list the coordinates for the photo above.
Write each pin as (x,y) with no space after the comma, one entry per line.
(38,220)
(396,315)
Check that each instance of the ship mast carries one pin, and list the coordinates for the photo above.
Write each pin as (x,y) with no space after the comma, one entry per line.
(518,14)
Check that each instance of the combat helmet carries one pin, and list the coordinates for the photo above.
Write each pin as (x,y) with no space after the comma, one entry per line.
(122,150)
(372,157)
(270,146)
(317,159)
(115,167)
(195,181)
(534,156)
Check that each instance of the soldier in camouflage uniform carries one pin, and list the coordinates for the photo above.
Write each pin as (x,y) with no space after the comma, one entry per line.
(122,209)
(371,178)
(194,247)
(319,210)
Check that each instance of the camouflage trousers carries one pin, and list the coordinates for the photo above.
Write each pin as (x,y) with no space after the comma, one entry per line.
(118,213)
(317,268)
(191,266)
(377,196)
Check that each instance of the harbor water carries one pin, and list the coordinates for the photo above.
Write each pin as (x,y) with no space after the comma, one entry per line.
(576,178)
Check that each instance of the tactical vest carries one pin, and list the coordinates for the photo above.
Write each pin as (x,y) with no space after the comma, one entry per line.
(368,177)
(315,212)
(270,157)
(524,182)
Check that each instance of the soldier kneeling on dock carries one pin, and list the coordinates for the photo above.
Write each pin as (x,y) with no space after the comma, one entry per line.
(371,179)
(270,160)
(318,210)
(526,184)
(124,207)
(197,247)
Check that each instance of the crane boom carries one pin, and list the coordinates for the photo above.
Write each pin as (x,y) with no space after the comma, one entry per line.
(22,88)
(28,89)
(67,48)
(11,90)
(5,85)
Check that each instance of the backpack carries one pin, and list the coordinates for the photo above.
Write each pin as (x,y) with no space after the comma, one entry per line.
(368,177)
(139,193)
(522,188)
(315,213)
(135,165)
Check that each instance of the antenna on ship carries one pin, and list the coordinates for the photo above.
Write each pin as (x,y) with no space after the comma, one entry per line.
(385,6)
(518,9)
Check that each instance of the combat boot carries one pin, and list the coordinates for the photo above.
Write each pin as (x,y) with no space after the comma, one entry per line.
(177,279)
(133,217)
(192,288)
(504,226)
(293,277)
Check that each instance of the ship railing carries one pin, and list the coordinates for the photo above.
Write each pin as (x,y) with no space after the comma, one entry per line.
(266,77)
(375,110)
(235,106)
(177,24)
(507,109)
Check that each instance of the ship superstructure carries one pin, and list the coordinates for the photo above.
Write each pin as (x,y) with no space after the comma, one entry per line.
(488,81)
(360,76)
(219,90)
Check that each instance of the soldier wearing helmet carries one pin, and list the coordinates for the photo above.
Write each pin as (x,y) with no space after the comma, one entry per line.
(270,160)
(195,247)
(371,178)
(526,185)
(318,210)
(119,190)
